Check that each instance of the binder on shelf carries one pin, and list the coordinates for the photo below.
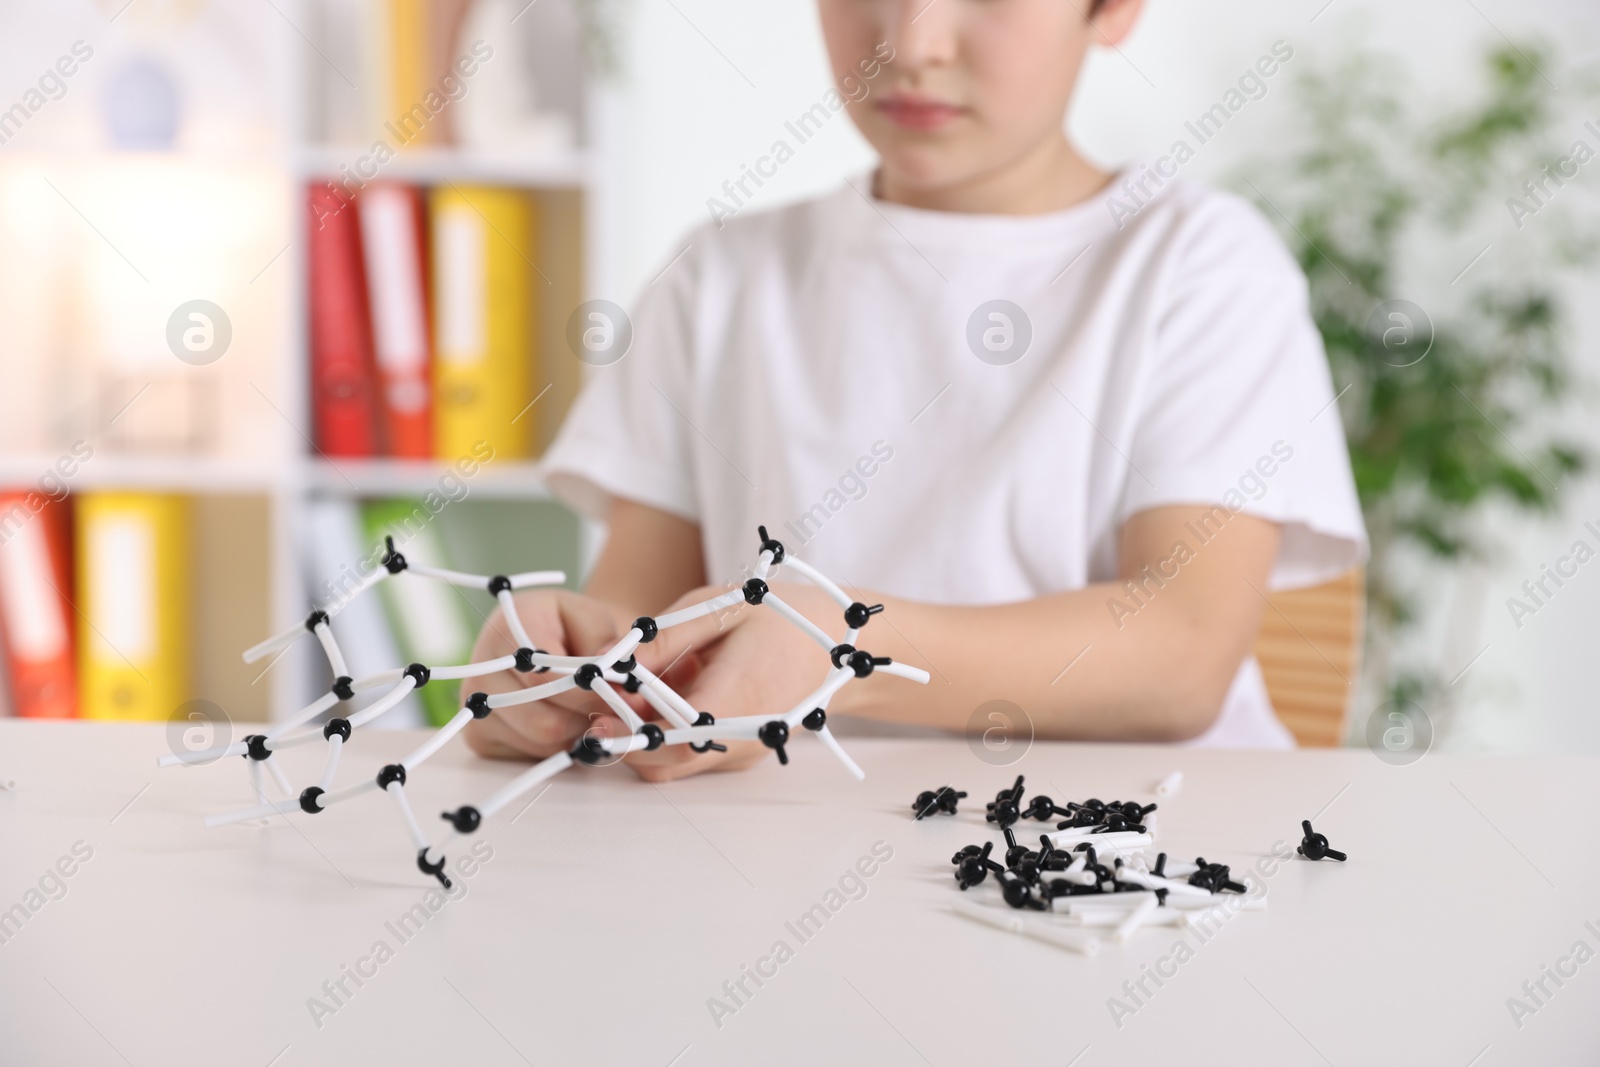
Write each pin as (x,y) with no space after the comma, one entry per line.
(408,33)
(37,619)
(343,401)
(133,588)
(393,243)
(429,618)
(483,245)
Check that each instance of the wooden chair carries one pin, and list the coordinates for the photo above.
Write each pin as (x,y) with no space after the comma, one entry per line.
(1309,648)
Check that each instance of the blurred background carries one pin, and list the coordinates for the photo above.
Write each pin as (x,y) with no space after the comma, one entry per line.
(280,278)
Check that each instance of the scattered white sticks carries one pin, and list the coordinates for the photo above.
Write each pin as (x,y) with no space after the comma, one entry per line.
(616,668)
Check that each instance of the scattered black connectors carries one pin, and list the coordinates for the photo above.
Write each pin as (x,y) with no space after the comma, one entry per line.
(1024,877)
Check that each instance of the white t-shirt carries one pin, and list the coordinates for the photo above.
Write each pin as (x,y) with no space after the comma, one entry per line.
(817,369)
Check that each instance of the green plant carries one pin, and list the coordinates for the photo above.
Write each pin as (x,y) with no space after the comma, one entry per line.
(1449,412)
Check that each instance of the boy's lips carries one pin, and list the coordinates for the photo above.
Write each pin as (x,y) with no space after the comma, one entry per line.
(917,113)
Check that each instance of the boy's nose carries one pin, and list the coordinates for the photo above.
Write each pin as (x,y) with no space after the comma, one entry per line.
(922,32)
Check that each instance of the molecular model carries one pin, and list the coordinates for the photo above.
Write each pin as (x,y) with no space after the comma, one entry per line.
(603,675)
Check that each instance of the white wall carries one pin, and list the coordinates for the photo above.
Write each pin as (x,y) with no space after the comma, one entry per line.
(710,83)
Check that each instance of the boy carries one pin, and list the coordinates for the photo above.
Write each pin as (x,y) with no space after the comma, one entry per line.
(1070,450)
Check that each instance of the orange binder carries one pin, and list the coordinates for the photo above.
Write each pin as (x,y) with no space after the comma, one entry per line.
(36,614)
(393,241)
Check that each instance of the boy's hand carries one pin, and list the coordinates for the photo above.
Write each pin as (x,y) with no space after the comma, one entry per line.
(751,661)
(563,624)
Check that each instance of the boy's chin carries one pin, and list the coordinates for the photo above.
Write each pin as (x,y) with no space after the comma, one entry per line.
(925,170)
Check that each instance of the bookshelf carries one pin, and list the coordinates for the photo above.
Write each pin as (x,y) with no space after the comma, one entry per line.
(252,564)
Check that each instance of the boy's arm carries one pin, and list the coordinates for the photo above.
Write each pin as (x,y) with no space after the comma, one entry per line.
(650,559)
(1099,663)
(1151,662)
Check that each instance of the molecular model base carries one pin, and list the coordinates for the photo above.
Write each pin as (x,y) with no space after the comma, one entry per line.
(602,675)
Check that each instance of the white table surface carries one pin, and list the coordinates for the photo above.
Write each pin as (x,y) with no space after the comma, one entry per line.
(612,910)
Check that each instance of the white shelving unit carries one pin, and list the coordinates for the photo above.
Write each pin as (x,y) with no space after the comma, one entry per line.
(282,471)
(565,181)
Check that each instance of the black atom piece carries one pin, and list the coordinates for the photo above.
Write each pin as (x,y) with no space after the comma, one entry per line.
(1018,894)
(863,662)
(478,704)
(654,735)
(1057,887)
(393,561)
(931,801)
(391,772)
(465,819)
(524,658)
(585,676)
(755,590)
(1042,807)
(625,666)
(631,683)
(435,868)
(336,726)
(499,584)
(308,800)
(1011,792)
(315,619)
(1315,846)
(858,614)
(1032,866)
(344,687)
(589,749)
(973,867)
(705,718)
(816,719)
(419,674)
(1015,852)
(258,749)
(775,735)
(769,545)
(647,629)
(1081,817)
(838,653)
(1160,869)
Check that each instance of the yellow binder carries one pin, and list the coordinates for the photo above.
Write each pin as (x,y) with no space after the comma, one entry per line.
(133,581)
(483,245)
(408,38)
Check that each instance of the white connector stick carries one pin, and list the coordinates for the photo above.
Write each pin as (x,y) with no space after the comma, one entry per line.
(806,626)
(528,579)
(330,648)
(820,580)
(1136,918)
(508,608)
(542,771)
(479,582)
(1071,940)
(1170,785)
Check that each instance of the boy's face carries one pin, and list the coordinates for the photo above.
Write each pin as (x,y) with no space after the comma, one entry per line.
(970,86)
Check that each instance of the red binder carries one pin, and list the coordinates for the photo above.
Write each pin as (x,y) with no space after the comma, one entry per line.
(393,248)
(36,616)
(344,407)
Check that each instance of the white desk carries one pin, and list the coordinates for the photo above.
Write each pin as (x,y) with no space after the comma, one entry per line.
(612,910)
